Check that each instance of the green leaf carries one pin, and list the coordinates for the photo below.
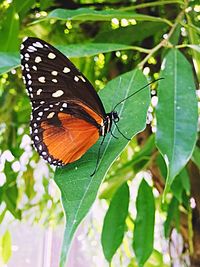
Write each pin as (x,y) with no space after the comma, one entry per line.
(176,114)
(9,30)
(6,247)
(78,188)
(8,61)
(44,4)
(138,162)
(181,183)
(10,197)
(87,14)
(22,7)
(130,34)
(2,214)
(144,223)
(91,49)
(141,157)
(114,222)
(172,217)
(196,156)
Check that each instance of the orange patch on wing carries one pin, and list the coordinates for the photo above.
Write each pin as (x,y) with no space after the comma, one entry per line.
(92,113)
(70,141)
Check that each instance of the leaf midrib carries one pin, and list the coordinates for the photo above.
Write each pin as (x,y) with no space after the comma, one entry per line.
(174,105)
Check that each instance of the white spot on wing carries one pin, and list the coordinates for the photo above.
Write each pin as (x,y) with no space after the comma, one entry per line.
(66,70)
(54,80)
(40,147)
(50,115)
(58,93)
(76,79)
(31,48)
(54,73)
(40,113)
(51,55)
(83,79)
(64,105)
(34,67)
(38,59)
(39,91)
(41,79)
(27,55)
(38,44)
(25,38)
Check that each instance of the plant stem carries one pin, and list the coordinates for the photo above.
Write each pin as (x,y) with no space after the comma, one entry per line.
(190,231)
(164,42)
(151,4)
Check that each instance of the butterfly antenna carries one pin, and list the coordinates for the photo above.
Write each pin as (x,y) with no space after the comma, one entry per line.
(98,157)
(137,92)
(121,132)
(113,134)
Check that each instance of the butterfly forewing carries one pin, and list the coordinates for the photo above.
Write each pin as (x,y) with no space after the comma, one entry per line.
(50,76)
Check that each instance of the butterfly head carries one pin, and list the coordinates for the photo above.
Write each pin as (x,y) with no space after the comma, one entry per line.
(114,116)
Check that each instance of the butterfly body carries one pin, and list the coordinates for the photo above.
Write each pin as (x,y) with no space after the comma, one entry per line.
(68,116)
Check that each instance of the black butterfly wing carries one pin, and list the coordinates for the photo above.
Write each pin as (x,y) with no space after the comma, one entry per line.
(50,77)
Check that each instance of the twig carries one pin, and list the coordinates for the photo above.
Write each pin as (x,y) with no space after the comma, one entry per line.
(164,42)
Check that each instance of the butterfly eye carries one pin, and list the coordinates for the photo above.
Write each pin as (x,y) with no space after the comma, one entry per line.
(115,116)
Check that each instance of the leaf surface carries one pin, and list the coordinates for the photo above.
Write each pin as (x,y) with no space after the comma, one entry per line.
(85,14)
(114,222)
(78,188)
(176,114)
(144,224)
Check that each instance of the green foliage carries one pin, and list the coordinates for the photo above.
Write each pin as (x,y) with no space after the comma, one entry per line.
(180,118)
(114,225)
(127,43)
(144,224)
(9,30)
(77,187)
(84,14)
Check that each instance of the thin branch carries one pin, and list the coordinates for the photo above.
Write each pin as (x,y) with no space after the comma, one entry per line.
(164,42)
(152,4)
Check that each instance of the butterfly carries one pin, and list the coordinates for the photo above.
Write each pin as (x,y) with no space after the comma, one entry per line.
(68,116)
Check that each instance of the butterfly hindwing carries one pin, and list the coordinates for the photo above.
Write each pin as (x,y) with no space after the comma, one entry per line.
(63,131)
(50,76)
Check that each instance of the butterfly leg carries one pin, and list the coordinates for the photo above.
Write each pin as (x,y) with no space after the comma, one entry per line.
(129,139)
(98,157)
